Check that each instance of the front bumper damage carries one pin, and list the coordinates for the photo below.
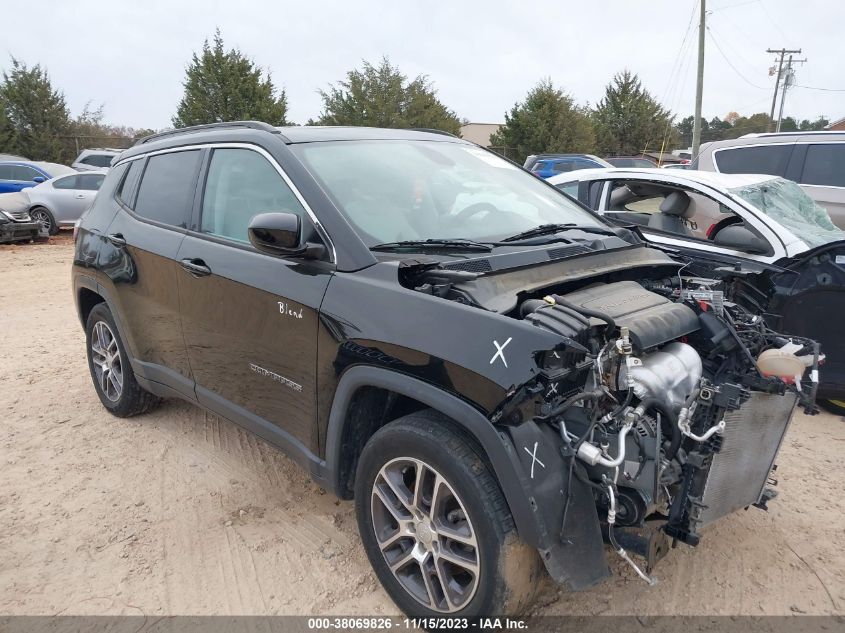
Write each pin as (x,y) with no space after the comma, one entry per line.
(22,232)
(729,472)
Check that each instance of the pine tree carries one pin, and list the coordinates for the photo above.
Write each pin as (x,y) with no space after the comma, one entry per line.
(381,96)
(36,116)
(628,120)
(223,85)
(548,120)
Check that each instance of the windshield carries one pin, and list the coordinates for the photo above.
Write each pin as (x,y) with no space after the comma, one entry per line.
(786,203)
(400,190)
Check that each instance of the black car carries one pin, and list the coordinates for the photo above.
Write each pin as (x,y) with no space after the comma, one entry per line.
(499,378)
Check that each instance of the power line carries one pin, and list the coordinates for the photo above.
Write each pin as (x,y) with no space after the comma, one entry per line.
(725,57)
(814,88)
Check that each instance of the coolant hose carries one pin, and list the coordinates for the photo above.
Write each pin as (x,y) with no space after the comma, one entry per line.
(578,397)
(671,417)
(611,324)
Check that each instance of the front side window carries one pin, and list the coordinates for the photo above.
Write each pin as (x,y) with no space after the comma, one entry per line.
(22,172)
(241,184)
(825,165)
(683,213)
(68,182)
(763,159)
(394,190)
(90,182)
(167,187)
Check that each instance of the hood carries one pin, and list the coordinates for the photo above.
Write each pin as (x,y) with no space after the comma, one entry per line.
(14,202)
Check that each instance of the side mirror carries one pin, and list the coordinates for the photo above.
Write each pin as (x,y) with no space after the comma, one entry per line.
(740,238)
(39,179)
(280,234)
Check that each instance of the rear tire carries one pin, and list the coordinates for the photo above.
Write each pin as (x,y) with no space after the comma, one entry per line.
(435,525)
(834,406)
(42,215)
(110,369)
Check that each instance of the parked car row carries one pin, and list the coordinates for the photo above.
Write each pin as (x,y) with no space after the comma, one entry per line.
(52,195)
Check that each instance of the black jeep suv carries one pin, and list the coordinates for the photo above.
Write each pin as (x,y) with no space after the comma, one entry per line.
(496,376)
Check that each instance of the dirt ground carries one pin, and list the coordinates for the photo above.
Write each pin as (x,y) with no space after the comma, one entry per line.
(179,512)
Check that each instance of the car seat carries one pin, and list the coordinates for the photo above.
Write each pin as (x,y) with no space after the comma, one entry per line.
(674,211)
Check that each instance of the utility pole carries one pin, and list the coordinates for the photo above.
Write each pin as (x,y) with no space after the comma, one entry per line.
(780,52)
(699,85)
(787,80)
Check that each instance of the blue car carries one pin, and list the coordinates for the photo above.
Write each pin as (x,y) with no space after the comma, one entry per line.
(549,165)
(17,175)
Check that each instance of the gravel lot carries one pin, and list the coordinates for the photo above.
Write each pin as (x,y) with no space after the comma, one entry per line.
(179,512)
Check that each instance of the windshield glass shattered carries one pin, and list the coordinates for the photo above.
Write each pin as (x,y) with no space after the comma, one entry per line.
(399,190)
(786,203)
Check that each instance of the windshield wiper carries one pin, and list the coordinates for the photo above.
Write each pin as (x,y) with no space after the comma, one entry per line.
(550,229)
(434,244)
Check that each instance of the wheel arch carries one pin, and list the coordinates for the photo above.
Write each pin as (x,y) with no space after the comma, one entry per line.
(343,443)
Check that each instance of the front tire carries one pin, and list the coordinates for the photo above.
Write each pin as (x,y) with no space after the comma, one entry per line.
(45,218)
(435,525)
(110,369)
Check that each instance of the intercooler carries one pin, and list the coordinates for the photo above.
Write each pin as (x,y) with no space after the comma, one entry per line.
(750,443)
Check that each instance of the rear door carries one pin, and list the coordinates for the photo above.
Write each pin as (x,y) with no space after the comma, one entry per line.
(250,320)
(156,197)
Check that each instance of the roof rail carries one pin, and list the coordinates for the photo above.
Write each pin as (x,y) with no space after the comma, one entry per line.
(790,133)
(253,125)
(431,130)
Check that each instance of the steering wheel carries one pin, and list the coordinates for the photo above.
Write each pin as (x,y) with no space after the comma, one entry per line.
(718,226)
(465,214)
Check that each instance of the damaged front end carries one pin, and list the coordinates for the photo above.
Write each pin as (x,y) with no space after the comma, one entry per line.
(661,411)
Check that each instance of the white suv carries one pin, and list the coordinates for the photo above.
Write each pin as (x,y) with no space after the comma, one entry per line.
(96,158)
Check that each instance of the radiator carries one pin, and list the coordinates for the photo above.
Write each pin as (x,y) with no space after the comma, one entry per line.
(750,443)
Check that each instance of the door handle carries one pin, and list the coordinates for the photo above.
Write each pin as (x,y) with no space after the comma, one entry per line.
(196,267)
(80,196)
(117,239)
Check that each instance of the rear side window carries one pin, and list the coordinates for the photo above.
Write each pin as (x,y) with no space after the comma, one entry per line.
(241,184)
(89,182)
(825,165)
(167,187)
(763,159)
(68,182)
(124,192)
(5,172)
(98,160)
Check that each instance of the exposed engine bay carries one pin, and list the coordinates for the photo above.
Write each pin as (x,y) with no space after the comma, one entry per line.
(672,404)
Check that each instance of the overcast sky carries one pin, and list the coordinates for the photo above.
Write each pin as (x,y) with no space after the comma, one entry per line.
(481,55)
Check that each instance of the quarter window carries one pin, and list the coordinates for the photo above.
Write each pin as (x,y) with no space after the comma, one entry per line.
(124,192)
(68,182)
(763,159)
(825,165)
(241,184)
(167,187)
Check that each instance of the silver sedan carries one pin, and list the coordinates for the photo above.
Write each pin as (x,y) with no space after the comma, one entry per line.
(60,201)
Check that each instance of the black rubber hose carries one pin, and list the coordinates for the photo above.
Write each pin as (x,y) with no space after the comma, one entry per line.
(578,397)
(671,417)
(611,324)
